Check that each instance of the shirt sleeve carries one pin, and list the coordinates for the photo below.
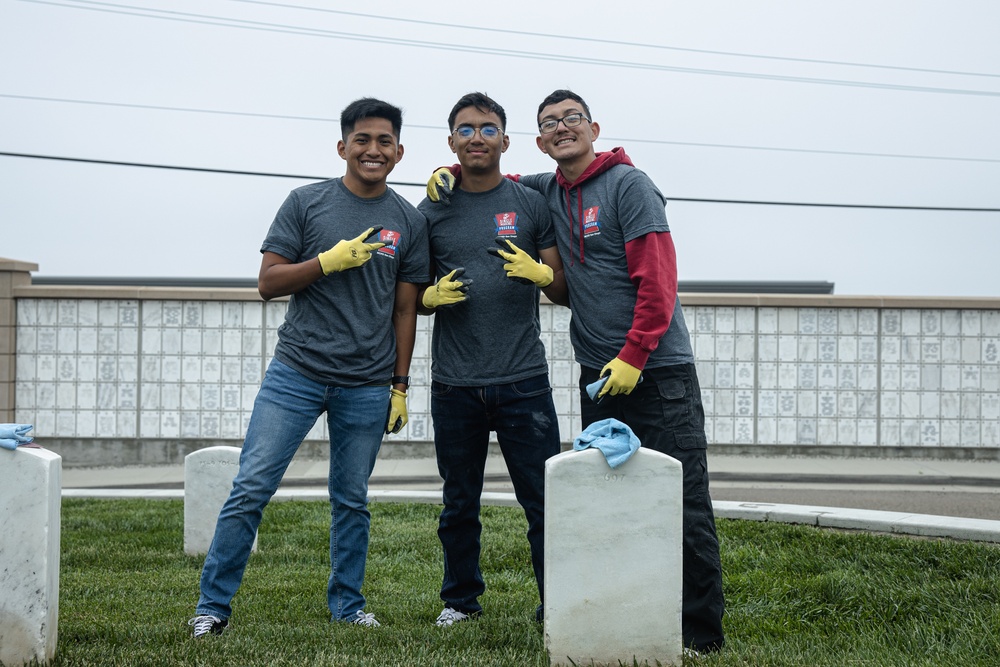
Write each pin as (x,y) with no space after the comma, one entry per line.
(652,267)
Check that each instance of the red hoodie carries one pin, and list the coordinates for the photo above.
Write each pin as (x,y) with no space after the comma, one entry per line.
(652,267)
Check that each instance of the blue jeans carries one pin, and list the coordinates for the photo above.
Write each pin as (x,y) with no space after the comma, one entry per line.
(286,407)
(524,418)
(666,413)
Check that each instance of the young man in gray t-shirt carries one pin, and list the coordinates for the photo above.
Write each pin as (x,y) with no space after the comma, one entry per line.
(628,327)
(489,371)
(352,254)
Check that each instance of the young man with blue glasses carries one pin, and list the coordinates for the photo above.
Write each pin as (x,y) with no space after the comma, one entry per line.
(628,325)
(352,254)
(485,379)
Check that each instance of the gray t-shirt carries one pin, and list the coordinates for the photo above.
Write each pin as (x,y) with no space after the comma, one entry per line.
(616,207)
(339,329)
(493,336)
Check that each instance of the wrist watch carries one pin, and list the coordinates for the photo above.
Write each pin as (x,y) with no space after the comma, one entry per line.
(400,379)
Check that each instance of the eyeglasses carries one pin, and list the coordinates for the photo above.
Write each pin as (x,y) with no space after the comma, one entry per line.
(572,120)
(486,131)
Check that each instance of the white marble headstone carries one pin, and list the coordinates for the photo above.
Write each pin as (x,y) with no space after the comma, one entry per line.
(30,521)
(208,480)
(613,558)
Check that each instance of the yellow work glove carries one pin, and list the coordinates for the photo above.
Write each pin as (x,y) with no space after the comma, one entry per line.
(447,291)
(441,185)
(521,266)
(349,254)
(397,411)
(622,378)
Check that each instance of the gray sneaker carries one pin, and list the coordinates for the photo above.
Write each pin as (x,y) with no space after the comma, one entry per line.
(207,625)
(452,616)
(361,618)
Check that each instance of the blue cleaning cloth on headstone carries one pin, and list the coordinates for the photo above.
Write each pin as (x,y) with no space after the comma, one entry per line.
(12,435)
(614,438)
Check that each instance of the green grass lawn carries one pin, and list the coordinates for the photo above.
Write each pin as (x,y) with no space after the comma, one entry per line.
(796,595)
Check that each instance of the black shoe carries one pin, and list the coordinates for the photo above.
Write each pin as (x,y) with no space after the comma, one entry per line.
(204,625)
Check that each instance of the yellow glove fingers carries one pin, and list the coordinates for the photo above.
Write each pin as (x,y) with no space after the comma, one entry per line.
(397,411)
(349,254)
(441,185)
(447,291)
(622,378)
(521,265)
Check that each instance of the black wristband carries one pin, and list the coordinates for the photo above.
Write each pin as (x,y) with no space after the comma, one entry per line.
(400,379)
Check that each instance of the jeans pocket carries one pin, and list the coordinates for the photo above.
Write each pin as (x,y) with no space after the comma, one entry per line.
(440,388)
(530,387)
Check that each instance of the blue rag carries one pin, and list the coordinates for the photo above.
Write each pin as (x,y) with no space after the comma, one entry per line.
(12,435)
(614,438)
(594,387)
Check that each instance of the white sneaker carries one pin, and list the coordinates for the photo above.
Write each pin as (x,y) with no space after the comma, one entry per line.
(204,625)
(361,618)
(451,616)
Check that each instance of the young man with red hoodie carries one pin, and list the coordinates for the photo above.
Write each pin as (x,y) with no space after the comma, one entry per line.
(628,326)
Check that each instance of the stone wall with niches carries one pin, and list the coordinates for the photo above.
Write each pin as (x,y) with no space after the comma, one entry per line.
(176,365)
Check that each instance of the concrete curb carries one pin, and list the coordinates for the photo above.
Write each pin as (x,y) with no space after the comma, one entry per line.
(901,523)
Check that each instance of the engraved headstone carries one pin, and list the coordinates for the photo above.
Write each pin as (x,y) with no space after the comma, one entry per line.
(208,480)
(613,559)
(30,520)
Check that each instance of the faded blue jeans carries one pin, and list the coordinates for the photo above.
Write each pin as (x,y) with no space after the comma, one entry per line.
(527,427)
(286,407)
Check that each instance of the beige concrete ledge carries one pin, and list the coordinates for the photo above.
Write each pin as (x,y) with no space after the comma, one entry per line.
(7,264)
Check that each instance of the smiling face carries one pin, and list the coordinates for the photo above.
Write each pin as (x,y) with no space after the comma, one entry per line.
(371,151)
(568,145)
(478,154)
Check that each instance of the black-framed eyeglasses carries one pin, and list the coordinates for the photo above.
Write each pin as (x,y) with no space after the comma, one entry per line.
(549,126)
(486,131)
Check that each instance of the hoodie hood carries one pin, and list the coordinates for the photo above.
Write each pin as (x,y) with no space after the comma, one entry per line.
(603,161)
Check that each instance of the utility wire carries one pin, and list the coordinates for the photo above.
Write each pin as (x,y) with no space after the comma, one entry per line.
(596,40)
(424,185)
(190,17)
(623,140)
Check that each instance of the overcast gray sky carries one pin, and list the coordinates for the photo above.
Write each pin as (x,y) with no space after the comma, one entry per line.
(860,103)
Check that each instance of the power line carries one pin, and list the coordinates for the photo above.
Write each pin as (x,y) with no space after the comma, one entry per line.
(615,42)
(190,17)
(623,140)
(147,165)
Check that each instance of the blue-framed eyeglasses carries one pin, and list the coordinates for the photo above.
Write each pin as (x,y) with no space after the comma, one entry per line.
(549,126)
(486,131)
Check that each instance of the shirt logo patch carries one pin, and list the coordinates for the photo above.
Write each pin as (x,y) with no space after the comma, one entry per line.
(591,224)
(391,239)
(506,223)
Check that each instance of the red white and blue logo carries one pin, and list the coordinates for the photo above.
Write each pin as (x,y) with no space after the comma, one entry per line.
(391,240)
(506,223)
(591,223)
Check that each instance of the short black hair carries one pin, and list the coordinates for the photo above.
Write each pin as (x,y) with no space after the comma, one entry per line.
(482,102)
(557,96)
(369,107)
